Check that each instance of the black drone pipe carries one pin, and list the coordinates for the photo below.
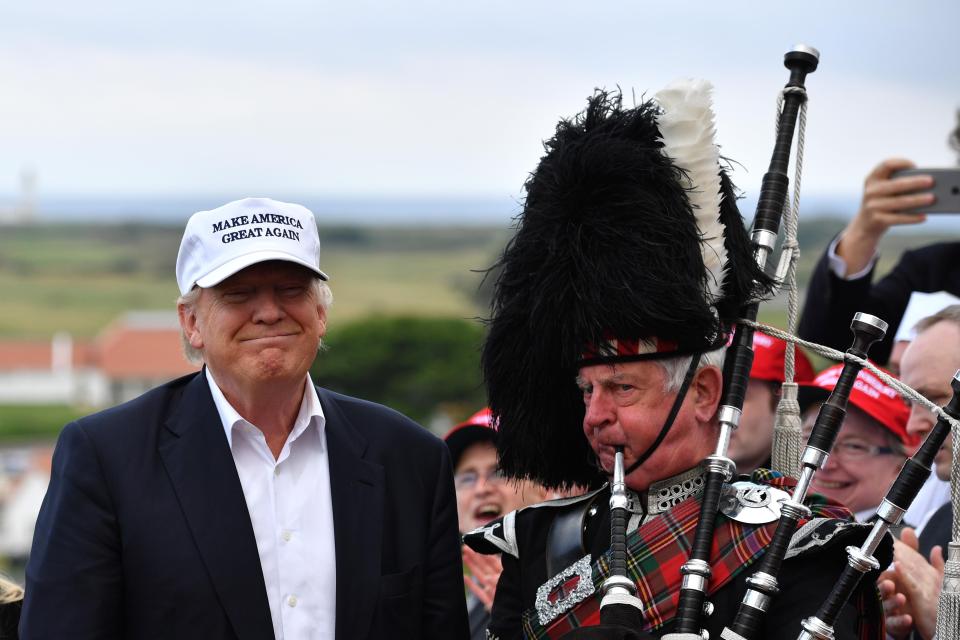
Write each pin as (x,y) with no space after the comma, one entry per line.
(620,608)
(619,589)
(739,359)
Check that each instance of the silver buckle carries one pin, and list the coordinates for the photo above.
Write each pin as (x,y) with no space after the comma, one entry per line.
(560,593)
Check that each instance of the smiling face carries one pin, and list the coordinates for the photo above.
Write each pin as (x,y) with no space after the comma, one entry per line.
(484,496)
(260,326)
(627,405)
(864,463)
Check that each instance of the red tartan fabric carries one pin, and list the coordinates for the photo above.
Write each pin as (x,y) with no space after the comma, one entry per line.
(656,551)
(626,347)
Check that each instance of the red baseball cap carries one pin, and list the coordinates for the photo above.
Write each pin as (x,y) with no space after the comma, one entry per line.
(870,394)
(769,354)
(477,428)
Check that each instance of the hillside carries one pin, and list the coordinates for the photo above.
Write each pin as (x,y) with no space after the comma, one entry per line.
(78,277)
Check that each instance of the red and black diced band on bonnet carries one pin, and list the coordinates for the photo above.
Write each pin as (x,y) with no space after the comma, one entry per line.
(607,251)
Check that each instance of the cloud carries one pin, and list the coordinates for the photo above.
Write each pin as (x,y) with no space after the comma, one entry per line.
(430,97)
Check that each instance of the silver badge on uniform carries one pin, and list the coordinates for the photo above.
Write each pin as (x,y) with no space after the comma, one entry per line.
(561,592)
(752,503)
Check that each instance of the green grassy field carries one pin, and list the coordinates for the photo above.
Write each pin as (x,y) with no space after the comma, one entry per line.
(431,283)
(78,278)
(26,423)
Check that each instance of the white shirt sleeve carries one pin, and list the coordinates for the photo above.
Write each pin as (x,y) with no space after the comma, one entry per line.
(839,266)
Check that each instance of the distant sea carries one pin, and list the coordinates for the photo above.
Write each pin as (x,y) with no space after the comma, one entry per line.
(380,210)
(401,211)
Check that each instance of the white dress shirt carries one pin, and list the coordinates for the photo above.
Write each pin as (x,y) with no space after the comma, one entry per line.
(933,494)
(292,515)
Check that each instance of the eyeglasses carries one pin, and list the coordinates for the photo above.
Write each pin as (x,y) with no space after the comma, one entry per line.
(857,450)
(469,479)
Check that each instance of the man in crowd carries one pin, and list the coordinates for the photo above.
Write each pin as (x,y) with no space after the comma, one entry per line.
(243,501)
(913,586)
(483,495)
(609,318)
(841,284)
(871,446)
(751,443)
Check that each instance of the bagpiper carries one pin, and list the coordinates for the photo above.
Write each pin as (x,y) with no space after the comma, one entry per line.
(613,304)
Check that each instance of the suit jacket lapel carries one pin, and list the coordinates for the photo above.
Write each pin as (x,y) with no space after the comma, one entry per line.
(357,492)
(198,460)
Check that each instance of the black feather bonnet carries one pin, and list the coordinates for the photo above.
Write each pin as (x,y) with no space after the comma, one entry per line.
(607,247)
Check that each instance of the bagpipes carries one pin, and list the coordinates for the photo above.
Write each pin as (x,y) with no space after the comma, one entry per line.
(620,594)
(913,474)
(720,468)
(915,471)
(630,248)
(763,583)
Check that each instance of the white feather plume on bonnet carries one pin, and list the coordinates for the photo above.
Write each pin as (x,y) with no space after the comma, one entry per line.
(687,129)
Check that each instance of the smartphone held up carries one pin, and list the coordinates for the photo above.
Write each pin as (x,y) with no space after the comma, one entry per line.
(945,189)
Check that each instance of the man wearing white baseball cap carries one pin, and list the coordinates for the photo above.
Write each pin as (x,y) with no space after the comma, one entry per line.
(243,501)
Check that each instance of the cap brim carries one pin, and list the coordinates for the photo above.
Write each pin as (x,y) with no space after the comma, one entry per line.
(231,267)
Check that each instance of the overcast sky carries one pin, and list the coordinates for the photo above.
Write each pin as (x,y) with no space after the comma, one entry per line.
(440,98)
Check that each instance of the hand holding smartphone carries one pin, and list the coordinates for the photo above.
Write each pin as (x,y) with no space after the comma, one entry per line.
(945,189)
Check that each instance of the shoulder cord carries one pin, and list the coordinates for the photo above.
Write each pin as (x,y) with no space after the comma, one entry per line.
(787,436)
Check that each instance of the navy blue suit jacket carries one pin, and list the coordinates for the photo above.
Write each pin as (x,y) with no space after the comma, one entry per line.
(937,531)
(144,532)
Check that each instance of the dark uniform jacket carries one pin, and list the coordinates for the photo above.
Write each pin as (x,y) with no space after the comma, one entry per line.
(805,581)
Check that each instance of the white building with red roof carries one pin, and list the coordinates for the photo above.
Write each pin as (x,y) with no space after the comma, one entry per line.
(139,350)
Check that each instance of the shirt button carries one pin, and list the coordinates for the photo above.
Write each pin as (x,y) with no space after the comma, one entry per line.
(276,471)
(286,536)
(291,601)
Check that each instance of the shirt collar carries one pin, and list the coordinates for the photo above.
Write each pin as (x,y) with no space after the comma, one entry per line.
(311,412)
(662,495)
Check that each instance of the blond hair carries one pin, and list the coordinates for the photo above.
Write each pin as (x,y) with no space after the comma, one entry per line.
(10,591)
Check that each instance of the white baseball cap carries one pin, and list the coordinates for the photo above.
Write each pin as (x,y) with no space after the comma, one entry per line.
(218,243)
(920,306)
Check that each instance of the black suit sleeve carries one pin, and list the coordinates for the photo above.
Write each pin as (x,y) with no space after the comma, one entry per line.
(937,530)
(444,605)
(832,301)
(830,305)
(74,577)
